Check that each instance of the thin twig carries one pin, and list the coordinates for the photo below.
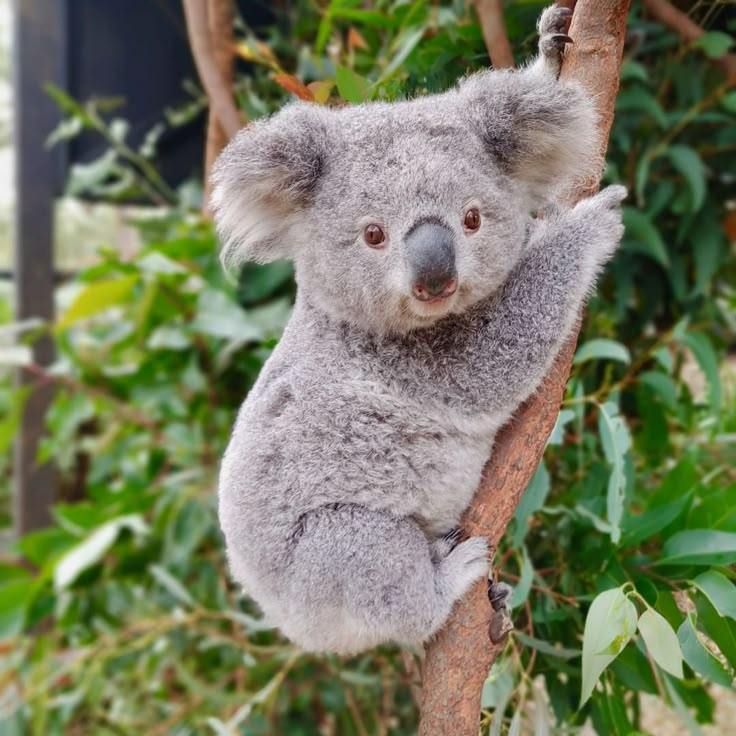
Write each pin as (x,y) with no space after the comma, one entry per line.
(685,27)
(220,17)
(490,15)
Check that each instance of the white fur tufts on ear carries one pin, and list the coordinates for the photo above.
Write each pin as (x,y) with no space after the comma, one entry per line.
(542,132)
(264,180)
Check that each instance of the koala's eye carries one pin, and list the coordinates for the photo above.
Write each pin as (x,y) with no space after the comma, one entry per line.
(472,219)
(374,235)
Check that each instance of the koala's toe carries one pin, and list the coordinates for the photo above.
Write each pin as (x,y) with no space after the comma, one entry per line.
(555,19)
(499,595)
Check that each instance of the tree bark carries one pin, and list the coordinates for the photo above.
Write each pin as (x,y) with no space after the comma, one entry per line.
(490,15)
(219,93)
(220,16)
(457,661)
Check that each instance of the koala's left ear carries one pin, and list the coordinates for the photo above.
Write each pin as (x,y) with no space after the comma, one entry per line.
(541,132)
(265,178)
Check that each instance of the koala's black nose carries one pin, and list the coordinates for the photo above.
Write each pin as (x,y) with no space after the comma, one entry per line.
(430,252)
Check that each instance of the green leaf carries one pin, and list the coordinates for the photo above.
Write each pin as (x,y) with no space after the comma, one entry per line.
(96,298)
(646,525)
(719,590)
(699,657)
(681,708)
(687,162)
(406,43)
(522,588)
(90,551)
(220,316)
(702,349)
(642,236)
(367,18)
(699,547)
(172,585)
(719,630)
(546,647)
(558,433)
(631,69)
(15,597)
(515,725)
(728,101)
(351,86)
(12,416)
(639,99)
(45,544)
(602,349)
(86,177)
(15,355)
(609,626)
(661,642)
(616,442)
(714,44)
(661,385)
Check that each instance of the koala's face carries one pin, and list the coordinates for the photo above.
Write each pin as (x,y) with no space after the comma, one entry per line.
(395,215)
(410,221)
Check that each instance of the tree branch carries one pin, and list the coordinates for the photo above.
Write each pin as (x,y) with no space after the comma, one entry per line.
(458,660)
(679,22)
(218,91)
(220,15)
(490,15)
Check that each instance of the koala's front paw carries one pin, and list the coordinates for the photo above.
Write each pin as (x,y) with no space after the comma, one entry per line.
(553,26)
(599,222)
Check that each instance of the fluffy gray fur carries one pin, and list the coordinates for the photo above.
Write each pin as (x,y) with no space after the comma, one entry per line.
(363,440)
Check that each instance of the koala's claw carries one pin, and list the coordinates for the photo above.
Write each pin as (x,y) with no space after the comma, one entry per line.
(501,623)
(441,547)
(555,19)
(553,37)
(499,594)
(561,38)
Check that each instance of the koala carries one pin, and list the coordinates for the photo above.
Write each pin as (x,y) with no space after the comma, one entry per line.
(430,304)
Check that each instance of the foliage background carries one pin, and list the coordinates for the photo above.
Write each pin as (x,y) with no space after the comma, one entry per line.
(637,491)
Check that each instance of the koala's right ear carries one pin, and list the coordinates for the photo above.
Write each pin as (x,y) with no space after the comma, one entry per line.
(265,178)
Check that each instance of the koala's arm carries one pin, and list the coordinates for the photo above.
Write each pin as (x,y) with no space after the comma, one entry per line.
(524,327)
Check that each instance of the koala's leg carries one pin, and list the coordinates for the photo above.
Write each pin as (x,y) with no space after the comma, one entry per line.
(553,26)
(525,326)
(361,577)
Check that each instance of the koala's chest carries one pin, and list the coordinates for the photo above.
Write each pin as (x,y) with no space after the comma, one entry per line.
(451,475)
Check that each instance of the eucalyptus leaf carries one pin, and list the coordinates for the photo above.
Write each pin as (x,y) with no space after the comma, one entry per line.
(719,590)
(609,626)
(699,547)
(699,657)
(661,642)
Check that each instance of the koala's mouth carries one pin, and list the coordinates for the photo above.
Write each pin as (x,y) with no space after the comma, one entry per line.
(430,310)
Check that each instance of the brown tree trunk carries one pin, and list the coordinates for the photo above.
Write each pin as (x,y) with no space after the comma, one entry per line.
(490,15)
(458,660)
(220,18)
(210,31)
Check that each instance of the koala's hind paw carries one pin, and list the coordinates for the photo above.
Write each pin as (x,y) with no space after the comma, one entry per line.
(501,624)
(499,595)
(553,26)
(463,566)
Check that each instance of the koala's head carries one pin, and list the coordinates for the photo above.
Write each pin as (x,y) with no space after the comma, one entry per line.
(395,215)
